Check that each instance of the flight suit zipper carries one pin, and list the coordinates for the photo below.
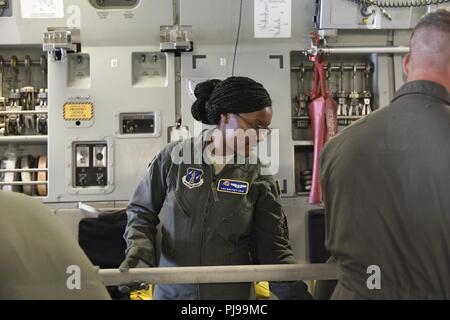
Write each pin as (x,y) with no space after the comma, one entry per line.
(205,216)
(215,194)
(214,191)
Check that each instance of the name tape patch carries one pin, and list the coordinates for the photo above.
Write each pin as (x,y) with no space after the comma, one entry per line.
(233,186)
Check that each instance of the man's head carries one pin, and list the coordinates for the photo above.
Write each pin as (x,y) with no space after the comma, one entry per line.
(429,55)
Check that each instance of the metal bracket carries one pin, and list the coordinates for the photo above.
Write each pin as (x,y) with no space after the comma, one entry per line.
(284,189)
(279,57)
(194,60)
(176,39)
(58,42)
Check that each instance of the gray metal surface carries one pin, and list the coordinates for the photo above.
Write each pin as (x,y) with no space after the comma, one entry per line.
(346,14)
(111,37)
(100,27)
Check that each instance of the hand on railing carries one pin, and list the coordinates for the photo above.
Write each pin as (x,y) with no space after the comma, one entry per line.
(134,287)
(290,290)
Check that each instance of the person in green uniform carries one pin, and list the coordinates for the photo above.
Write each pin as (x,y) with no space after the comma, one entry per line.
(386,182)
(39,258)
(218,207)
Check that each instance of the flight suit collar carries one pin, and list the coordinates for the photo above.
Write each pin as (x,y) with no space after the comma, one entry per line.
(425,87)
(202,140)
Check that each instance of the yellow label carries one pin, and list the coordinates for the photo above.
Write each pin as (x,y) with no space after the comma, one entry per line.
(78,111)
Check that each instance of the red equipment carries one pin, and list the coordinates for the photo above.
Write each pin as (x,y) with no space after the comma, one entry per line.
(323,115)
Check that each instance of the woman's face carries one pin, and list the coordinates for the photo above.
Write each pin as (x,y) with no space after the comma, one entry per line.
(244,131)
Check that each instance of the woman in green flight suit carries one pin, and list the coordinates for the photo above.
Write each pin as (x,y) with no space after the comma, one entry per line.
(214,212)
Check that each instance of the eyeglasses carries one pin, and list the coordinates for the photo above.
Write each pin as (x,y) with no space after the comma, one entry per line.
(260,130)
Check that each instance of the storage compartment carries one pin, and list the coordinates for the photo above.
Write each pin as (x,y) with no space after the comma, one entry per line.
(350,80)
(23,120)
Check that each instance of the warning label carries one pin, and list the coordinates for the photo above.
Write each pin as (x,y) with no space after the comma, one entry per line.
(78,111)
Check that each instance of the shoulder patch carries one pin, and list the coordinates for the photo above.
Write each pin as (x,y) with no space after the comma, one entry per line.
(193,178)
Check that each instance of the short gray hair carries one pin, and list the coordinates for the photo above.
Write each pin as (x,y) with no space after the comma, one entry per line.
(438,20)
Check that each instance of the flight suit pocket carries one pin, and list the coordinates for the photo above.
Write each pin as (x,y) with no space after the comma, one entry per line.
(235,221)
(181,205)
(176,219)
(239,255)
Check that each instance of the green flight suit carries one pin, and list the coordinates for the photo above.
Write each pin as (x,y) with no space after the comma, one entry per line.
(203,225)
(386,183)
(39,258)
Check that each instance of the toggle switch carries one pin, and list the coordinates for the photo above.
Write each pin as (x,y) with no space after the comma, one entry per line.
(83,156)
(82,179)
(100,156)
(90,169)
(100,179)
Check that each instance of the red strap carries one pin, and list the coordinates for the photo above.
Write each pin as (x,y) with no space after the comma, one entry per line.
(320,65)
(315,38)
(319,78)
(315,90)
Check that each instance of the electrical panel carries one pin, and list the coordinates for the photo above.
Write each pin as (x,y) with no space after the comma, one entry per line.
(138,123)
(91,167)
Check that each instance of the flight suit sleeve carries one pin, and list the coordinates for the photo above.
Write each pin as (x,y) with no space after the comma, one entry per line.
(143,210)
(326,166)
(270,239)
(270,231)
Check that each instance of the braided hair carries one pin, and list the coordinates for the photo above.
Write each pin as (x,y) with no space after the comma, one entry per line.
(233,95)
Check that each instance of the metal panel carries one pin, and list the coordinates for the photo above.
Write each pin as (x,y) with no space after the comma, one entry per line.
(347,14)
(111,92)
(225,15)
(101,27)
(216,42)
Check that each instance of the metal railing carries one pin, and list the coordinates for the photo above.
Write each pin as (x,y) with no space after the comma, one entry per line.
(333,67)
(220,274)
(23,183)
(367,50)
(22,170)
(9,112)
